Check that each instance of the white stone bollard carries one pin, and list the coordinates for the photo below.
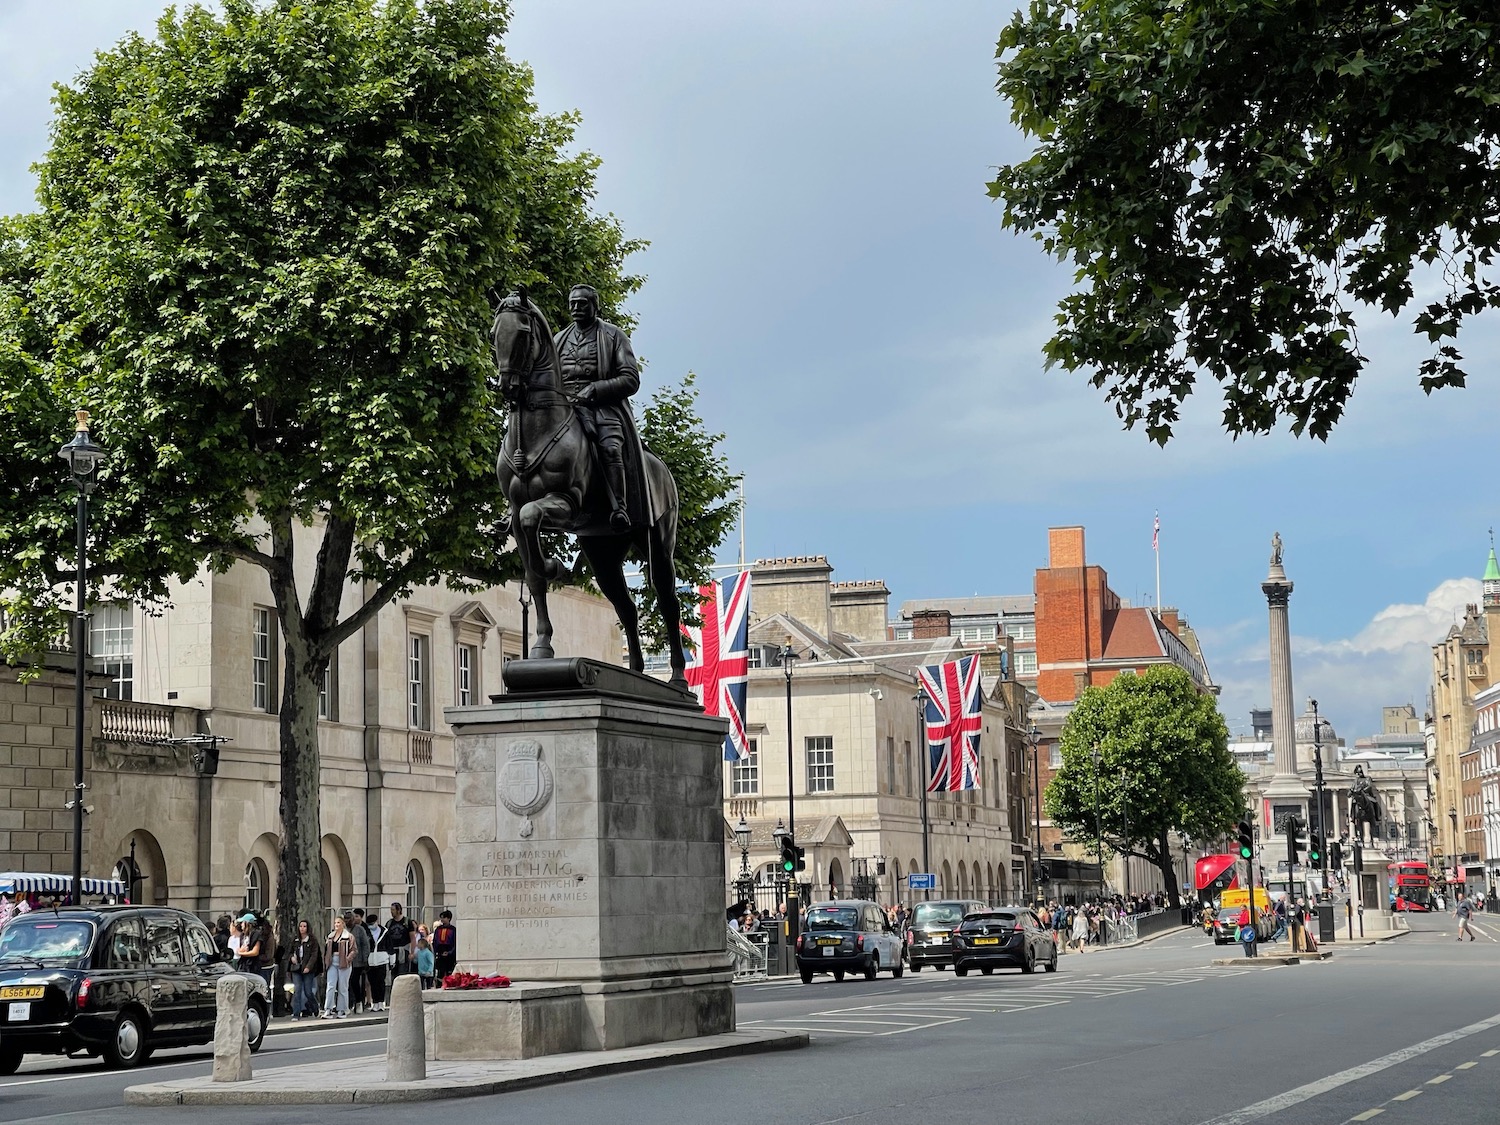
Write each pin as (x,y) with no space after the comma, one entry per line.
(405,1036)
(231,1031)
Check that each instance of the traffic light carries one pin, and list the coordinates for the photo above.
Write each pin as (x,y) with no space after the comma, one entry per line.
(790,854)
(1041,871)
(1336,853)
(1247,840)
(800,855)
(1315,849)
(1293,844)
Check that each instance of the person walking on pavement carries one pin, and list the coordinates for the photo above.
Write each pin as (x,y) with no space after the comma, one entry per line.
(1462,911)
(305,963)
(338,954)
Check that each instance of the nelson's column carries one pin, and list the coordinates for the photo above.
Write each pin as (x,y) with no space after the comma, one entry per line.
(1287,793)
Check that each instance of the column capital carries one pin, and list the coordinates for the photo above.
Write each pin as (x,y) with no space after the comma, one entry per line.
(1277,593)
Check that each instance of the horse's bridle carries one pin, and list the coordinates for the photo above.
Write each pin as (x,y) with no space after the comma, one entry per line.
(519,460)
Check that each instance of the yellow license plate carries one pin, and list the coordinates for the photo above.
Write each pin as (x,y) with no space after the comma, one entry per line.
(22,992)
(986,941)
(829,941)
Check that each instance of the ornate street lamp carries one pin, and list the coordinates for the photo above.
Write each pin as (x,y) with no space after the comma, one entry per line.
(742,838)
(1325,894)
(789,657)
(83,458)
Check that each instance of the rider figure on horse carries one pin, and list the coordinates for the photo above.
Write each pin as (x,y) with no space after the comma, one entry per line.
(599,374)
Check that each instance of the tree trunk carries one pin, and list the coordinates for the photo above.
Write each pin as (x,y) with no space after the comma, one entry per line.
(1169,873)
(299,880)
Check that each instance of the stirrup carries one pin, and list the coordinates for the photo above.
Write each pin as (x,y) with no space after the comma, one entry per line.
(619,520)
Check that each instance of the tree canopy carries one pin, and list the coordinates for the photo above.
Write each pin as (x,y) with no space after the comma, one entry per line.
(1234,179)
(1152,752)
(264,256)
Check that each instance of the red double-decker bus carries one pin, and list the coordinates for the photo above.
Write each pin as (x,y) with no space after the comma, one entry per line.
(1215,874)
(1410,885)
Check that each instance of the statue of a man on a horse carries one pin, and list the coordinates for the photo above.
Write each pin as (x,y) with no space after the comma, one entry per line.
(572,461)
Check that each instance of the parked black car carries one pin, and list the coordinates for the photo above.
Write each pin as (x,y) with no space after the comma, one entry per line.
(929,933)
(1003,938)
(117,981)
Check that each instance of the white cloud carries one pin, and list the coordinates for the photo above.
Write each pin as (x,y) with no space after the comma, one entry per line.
(1386,663)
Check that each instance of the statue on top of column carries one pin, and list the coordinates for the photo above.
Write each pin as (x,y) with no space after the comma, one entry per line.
(1276,548)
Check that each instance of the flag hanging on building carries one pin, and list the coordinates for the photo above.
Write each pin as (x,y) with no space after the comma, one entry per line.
(954,697)
(719,657)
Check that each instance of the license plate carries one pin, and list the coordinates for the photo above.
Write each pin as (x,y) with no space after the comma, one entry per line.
(18,1013)
(829,951)
(22,992)
(986,941)
(828,941)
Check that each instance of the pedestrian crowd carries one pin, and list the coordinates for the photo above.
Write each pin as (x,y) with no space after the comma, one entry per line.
(347,969)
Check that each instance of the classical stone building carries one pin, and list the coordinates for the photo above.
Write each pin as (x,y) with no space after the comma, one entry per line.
(1461,668)
(183,760)
(843,734)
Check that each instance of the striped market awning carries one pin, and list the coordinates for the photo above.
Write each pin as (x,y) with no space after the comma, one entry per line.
(31,882)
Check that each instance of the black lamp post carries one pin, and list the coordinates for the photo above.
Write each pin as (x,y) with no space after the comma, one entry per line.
(925,757)
(1034,736)
(1325,894)
(742,838)
(1098,824)
(788,659)
(1125,813)
(83,458)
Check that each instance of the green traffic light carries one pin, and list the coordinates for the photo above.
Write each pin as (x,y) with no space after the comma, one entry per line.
(1245,852)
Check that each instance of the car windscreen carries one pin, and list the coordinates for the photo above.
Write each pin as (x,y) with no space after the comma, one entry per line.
(979,921)
(833,918)
(1230,914)
(937,914)
(46,940)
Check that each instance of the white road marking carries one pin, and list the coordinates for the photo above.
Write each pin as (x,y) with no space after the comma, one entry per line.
(1352,1074)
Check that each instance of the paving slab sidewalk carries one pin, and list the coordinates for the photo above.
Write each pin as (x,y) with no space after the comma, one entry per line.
(363,1081)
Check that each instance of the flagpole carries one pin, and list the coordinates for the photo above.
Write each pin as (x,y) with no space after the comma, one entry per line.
(1156,550)
(742,522)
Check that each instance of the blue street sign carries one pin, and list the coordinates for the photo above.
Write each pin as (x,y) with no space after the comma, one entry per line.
(926,882)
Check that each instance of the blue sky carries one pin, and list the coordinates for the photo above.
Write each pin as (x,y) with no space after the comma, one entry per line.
(823,254)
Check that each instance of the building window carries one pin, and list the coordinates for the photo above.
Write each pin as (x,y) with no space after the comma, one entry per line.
(1026,664)
(112,644)
(328,690)
(416,891)
(257,886)
(418,683)
(901,632)
(1021,632)
(906,768)
(975,634)
(820,764)
(263,659)
(1054,755)
(745,777)
(466,675)
(890,765)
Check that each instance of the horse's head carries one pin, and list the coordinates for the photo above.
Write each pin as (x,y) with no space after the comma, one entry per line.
(522,343)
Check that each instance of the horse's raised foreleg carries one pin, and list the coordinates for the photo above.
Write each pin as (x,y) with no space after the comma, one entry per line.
(606,555)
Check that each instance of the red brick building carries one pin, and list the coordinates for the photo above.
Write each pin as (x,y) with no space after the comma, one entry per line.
(1086,636)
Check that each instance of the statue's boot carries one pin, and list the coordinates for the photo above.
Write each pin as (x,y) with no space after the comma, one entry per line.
(614,483)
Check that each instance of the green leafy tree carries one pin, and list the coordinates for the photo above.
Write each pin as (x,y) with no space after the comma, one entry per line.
(264,257)
(1152,751)
(1233,179)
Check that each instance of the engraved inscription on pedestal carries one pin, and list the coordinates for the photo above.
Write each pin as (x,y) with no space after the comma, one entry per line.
(523,784)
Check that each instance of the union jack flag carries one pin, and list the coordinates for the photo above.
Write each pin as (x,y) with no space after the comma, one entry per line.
(953,723)
(719,668)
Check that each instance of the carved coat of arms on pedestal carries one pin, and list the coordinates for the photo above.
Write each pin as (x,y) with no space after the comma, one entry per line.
(524,782)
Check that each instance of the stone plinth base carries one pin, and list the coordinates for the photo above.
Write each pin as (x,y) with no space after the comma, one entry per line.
(527,1021)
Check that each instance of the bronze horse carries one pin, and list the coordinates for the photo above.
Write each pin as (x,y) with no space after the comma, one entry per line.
(550,476)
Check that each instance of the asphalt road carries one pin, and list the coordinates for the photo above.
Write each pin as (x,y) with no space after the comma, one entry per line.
(1406,1032)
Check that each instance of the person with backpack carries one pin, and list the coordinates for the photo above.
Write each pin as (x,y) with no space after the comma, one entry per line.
(257,954)
(399,940)
(444,946)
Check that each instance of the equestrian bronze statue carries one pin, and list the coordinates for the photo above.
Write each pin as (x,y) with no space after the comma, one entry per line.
(572,461)
(1364,806)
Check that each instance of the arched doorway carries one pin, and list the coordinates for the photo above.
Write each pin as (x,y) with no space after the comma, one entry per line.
(946,886)
(989,884)
(261,868)
(979,888)
(425,851)
(963,880)
(836,879)
(152,885)
(338,876)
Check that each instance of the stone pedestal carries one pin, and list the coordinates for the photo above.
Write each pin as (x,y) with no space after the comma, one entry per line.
(591,854)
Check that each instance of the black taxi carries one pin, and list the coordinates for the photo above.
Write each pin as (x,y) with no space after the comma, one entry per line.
(117,981)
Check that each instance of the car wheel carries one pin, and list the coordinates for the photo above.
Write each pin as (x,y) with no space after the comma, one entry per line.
(838,974)
(1028,962)
(960,971)
(10,1060)
(1052,964)
(807,976)
(916,967)
(127,1045)
(255,1018)
(872,966)
(987,970)
(898,968)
